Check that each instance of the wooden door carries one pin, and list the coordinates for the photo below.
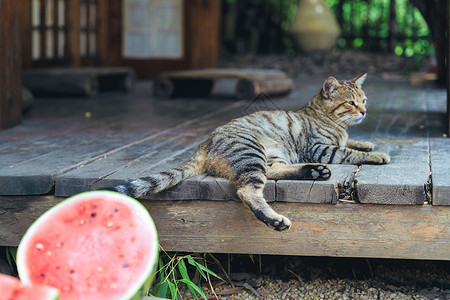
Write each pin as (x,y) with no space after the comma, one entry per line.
(153,36)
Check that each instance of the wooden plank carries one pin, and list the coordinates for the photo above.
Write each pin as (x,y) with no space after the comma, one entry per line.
(208,188)
(310,191)
(18,213)
(413,232)
(157,153)
(343,230)
(440,161)
(403,180)
(10,65)
(69,149)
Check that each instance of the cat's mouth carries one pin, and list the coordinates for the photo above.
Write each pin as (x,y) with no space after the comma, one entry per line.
(359,118)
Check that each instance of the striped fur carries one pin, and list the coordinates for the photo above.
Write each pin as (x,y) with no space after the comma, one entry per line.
(277,145)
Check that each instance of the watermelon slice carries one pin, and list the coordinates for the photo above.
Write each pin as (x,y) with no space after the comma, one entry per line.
(95,245)
(12,289)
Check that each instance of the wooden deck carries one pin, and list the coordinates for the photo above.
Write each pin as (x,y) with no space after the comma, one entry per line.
(69,145)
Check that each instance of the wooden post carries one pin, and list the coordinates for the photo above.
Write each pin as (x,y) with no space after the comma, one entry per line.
(73,20)
(447,63)
(203,33)
(10,64)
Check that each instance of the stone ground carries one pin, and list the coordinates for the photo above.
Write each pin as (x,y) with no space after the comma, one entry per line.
(282,277)
(346,64)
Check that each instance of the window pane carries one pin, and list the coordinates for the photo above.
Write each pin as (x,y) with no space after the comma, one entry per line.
(83,43)
(92,44)
(49,13)
(61,13)
(50,44)
(83,15)
(36,44)
(92,15)
(35,20)
(61,43)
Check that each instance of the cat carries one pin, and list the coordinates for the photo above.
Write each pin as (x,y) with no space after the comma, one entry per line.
(276,145)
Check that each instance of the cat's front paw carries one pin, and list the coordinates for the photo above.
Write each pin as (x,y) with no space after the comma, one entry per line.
(366,146)
(318,171)
(378,158)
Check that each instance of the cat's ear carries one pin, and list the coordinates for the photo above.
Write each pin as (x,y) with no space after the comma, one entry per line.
(359,80)
(329,86)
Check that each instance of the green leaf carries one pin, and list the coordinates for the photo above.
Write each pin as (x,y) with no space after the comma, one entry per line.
(201,268)
(160,290)
(11,253)
(173,290)
(192,285)
(183,270)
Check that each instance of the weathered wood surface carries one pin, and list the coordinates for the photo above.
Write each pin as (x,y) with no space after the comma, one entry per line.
(83,81)
(330,230)
(403,180)
(129,136)
(440,171)
(250,82)
(350,230)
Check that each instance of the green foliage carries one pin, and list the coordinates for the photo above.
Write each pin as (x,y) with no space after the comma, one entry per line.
(11,254)
(365,25)
(173,271)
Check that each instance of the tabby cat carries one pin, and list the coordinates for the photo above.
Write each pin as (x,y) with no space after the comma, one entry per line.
(277,145)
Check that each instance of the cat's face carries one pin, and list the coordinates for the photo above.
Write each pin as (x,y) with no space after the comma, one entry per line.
(344,101)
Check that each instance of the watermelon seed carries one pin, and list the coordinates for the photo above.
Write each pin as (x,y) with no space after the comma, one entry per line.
(39,246)
(58,245)
(125,265)
(100,269)
(116,210)
(81,221)
(42,275)
(110,224)
(113,285)
(93,215)
(48,253)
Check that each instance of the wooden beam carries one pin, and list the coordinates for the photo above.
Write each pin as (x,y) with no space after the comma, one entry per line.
(343,230)
(10,64)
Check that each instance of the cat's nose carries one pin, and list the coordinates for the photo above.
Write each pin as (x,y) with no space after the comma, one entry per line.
(363,112)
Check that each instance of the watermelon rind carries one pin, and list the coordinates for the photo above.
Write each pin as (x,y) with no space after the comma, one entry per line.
(12,287)
(142,285)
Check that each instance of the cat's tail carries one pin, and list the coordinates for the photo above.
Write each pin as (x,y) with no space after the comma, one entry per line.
(161,181)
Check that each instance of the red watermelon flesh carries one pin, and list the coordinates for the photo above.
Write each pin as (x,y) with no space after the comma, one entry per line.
(92,246)
(12,289)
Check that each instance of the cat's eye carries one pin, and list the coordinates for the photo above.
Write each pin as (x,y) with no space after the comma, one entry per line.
(352,103)
(364,101)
